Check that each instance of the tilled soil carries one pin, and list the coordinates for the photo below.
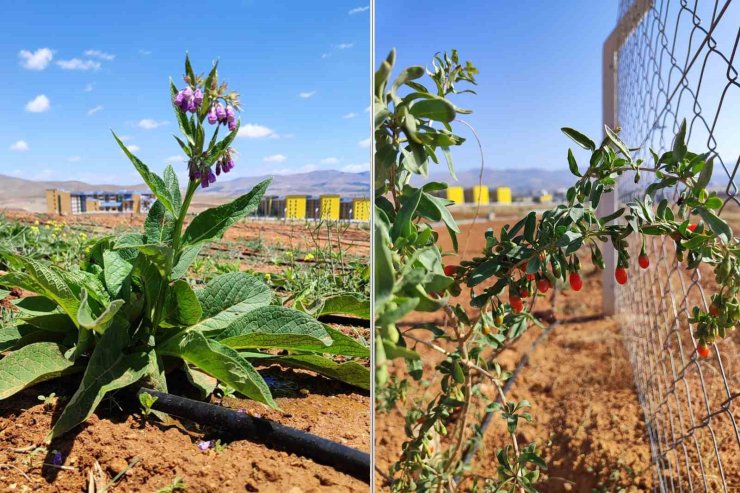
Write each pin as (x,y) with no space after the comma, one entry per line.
(587,419)
(158,454)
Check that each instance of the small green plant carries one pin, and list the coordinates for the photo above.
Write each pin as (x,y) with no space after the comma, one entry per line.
(131,306)
(49,400)
(177,485)
(147,401)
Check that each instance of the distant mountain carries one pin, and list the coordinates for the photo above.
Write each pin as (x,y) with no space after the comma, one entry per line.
(19,193)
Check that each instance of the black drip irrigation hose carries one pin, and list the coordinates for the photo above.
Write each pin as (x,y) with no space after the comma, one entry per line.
(241,425)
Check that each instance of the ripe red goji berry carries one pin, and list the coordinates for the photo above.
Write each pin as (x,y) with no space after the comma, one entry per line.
(450,270)
(702,350)
(543,285)
(575,281)
(691,227)
(644,261)
(516,303)
(713,310)
(620,274)
(524,292)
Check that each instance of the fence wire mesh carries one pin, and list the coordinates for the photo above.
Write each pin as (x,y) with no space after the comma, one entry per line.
(682,61)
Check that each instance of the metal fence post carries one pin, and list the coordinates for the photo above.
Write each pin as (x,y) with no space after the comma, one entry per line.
(609,107)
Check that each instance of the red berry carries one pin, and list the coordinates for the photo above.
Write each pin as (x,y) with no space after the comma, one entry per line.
(702,350)
(450,270)
(524,292)
(543,285)
(620,274)
(516,303)
(530,277)
(691,227)
(713,310)
(575,281)
(644,261)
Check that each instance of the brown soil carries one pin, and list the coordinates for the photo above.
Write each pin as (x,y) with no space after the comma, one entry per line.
(587,418)
(114,439)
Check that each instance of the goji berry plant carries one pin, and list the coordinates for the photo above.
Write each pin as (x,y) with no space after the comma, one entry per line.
(130,313)
(520,262)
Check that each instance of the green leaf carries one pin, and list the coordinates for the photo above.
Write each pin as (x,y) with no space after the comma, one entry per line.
(705,175)
(273,327)
(383,275)
(212,223)
(717,225)
(173,188)
(13,335)
(403,223)
(159,224)
(579,138)
(617,141)
(713,203)
(228,296)
(110,368)
(205,383)
(154,182)
(408,74)
(349,372)
(437,109)
(100,323)
(221,362)
(572,164)
(679,143)
(117,274)
(30,365)
(187,257)
(347,304)
(182,302)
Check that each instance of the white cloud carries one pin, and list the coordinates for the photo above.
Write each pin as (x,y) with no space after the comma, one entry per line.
(306,94)
(349,115)
(89,87)
(275,158)
(325,55)
(359,10)
(124,138)
(100,54)
(175,159)
(38,104)
(150,124)
(145,52)
(254,131)
(367,110)
(329,160)
(345,46)
(77,64)
(20,146)
(37,60)
(364,142)
(356,168)
(73,159)
(94,110)
(133,148)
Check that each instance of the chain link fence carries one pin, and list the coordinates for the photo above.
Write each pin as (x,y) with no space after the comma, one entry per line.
(681,61)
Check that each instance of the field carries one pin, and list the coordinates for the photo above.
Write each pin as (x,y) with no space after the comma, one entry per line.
(118,449)
(587,418)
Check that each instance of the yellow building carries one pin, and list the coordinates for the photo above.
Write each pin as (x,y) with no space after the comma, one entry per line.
(330,207)
(503,195)
(361,209)
(480,195)
(58,202)
(295,207)
(544,198)
(456,194)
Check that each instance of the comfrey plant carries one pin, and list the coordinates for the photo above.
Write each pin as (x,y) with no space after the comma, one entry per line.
(517,263)
(130,313)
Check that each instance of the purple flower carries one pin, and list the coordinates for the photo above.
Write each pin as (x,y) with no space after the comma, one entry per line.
(218,168)
(204,183)
(212,116)
(56,458)
(187,100)
(232,126)
(230,115)
(220,113)
(205,445)
(198,97)
(211,177)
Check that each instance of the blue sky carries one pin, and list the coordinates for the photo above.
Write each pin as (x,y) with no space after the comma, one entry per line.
(74,70)
(539,62)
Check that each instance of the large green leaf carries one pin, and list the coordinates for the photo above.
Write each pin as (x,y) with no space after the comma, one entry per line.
(187,256)
(228,296)
(98,323)
(31,364)
(159,224)
(110,368)
(182,303)
(15,335)
(349,372)
(273,327)
(173,188)
(437,109)
(117,274)
(347,304)
(36,305)
(212,223)
(219,361)
(153,181)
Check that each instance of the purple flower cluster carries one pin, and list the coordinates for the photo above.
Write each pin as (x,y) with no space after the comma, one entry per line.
(219,114)
(207,176)
(189,100)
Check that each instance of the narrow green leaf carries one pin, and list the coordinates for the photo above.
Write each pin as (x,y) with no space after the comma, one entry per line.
(579,138)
